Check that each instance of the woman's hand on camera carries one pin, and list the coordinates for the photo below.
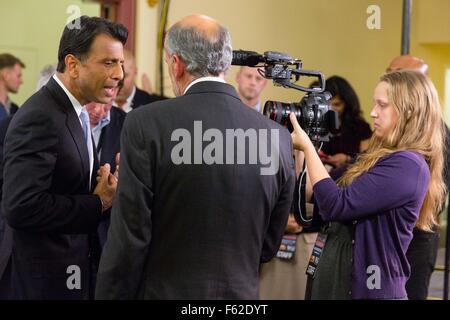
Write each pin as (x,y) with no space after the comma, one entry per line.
(300,139)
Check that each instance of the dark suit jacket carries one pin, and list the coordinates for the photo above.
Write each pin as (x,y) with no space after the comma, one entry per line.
(109,146)
(5,231)
(193,231)
(142,97)
(14,108)
(109,142)
(46,198)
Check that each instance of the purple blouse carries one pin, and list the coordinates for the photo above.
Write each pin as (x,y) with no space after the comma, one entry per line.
(384,204)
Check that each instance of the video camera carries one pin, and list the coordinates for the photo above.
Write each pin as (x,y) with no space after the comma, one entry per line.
(313,111)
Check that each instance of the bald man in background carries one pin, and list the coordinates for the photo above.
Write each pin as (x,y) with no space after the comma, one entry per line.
(422,251)
(130,96)
(408,62)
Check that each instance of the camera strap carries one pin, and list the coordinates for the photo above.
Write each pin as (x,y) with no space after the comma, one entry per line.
(302,204)
(300,200)
(317,252)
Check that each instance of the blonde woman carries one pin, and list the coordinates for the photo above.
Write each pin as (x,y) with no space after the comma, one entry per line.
(376,204)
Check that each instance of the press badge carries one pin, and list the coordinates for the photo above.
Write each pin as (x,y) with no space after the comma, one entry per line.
(287,247)
(316,253)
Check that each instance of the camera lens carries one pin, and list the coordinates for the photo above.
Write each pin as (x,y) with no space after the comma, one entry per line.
(280,111)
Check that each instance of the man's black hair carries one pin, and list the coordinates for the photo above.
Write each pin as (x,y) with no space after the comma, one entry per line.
(78,36)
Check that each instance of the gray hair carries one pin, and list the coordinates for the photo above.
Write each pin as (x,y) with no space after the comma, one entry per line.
(44,75)
(203,57)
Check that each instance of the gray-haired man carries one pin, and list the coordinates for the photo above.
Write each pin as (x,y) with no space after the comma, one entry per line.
(202,200)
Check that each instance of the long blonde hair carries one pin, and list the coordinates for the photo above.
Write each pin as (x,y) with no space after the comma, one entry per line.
(419,128)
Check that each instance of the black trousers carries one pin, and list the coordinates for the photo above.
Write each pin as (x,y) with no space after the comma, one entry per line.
(421,255)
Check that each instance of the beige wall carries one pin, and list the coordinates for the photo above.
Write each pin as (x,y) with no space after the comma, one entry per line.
(434,20)
(430,40)
(330,36)
(146,31)
(31,30)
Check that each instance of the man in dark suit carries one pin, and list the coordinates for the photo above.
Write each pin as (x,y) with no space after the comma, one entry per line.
(190,223)
(50,196)
(10,82)
(130,96)
(106,124)
(5,230)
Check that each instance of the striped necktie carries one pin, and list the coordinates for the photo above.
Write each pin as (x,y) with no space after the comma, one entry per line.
(84,117)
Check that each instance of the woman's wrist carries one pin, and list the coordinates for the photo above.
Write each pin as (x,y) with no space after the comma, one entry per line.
(309,149)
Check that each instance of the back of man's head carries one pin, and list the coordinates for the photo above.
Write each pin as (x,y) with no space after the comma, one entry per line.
(407,62)
(79,35)
(202,43)
(7,60)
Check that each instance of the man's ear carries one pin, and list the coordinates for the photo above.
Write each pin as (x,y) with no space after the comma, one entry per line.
(179,67)
(72,65)
(3,74)
(264,83)
(238,76)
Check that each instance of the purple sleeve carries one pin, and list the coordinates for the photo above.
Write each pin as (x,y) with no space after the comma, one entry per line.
(393,182)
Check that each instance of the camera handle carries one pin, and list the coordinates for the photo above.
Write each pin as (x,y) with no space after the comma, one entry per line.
(308,73)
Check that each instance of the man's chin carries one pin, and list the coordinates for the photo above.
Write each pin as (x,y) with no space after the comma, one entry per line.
(249,94)
(250,97)
(104,100)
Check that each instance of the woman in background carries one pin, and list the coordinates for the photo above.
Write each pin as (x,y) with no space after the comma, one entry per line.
(355,132)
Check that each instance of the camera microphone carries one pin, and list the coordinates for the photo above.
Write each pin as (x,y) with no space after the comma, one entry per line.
(246,58)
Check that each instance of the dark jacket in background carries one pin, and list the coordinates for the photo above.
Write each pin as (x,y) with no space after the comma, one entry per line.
(5,231)
(142,97)
(109,146)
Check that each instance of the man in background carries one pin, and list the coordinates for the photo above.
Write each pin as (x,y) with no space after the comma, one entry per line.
(407,62)
(106,125)
(250,85)
(45,74)
(10,82)
(130,96)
